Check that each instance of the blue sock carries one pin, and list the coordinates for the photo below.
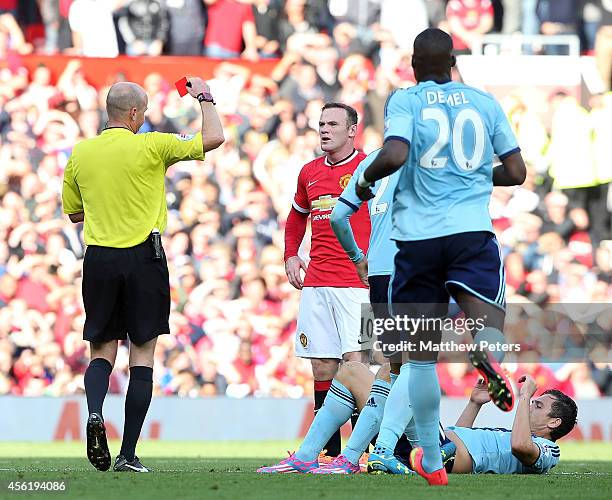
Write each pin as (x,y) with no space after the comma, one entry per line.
(425,399)
(411,433)
(336,410)
(368,422)
(397,415)
(410,430)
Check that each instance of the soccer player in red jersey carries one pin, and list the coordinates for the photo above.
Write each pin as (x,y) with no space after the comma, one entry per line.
(328,323)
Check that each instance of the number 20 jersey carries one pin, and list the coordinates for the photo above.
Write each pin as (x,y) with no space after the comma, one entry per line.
(319,185)
(445,184)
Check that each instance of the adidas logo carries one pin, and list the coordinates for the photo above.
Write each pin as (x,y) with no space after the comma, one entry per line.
(371,403)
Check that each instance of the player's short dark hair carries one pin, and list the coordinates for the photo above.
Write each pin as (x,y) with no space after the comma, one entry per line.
(351,113)
(433,51)
(565,408)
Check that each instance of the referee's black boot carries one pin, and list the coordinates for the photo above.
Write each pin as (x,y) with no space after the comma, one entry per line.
(97,447)
(122,465)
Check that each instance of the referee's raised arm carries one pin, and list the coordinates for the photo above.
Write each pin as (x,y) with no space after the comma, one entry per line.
(212,131)
(114,183)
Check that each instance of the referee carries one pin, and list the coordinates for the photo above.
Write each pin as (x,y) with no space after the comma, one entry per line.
(115,184)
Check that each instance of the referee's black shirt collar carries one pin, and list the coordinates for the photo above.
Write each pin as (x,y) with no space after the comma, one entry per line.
(112,128)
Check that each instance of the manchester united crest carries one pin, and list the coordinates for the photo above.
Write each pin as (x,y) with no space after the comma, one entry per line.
(344,180)
(303,340)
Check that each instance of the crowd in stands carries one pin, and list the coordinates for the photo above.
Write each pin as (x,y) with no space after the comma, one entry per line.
(263,28)
(233,311)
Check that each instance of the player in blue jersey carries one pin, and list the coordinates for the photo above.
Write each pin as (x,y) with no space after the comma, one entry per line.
(397,426)
(528,448)
(443,136)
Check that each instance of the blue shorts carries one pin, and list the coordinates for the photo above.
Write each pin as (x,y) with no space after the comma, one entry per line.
(430,271)
(379,289)
(379,299)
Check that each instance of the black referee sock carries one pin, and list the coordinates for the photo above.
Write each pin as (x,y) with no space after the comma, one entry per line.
(96,381)
(334,444)
(137,403)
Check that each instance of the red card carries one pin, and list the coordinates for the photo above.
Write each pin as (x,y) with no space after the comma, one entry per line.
(181,86)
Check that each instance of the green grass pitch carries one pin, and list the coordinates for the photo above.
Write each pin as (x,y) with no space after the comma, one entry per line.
(226,470)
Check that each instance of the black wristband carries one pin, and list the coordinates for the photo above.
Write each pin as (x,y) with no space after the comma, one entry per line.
(205,97)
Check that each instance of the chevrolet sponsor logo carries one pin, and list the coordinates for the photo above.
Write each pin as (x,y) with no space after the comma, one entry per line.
(324,203)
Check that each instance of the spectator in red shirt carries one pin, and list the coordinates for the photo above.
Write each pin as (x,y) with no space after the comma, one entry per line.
(245,366)
(230,25)
(9,6)
(515,270)
(468,20)
(33,289)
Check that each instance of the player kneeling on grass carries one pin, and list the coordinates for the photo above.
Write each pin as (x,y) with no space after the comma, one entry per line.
(528,448)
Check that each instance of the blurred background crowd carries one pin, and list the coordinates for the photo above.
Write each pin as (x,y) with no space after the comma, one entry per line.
(253,29)
(233,311)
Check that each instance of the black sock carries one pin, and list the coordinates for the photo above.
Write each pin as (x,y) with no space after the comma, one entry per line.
(137,403)
(96,381)
(334,444)
(403,448)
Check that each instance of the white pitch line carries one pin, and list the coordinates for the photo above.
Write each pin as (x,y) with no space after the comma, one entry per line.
(579,474)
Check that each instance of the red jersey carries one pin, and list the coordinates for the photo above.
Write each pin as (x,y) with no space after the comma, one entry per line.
(225,21)
(320,183)
(469,15)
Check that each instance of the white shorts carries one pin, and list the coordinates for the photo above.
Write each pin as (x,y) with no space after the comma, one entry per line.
(329,322)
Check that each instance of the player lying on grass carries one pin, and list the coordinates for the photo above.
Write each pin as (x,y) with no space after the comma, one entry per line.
(528,448)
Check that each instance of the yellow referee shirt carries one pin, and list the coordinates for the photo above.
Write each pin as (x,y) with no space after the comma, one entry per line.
(117,180)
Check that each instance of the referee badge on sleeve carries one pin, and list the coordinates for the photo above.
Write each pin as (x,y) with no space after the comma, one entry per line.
(183,137)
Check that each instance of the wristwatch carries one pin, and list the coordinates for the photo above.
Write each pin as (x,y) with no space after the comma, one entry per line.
(205,97)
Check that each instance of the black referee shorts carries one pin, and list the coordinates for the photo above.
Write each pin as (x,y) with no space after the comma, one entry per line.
(125,293)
